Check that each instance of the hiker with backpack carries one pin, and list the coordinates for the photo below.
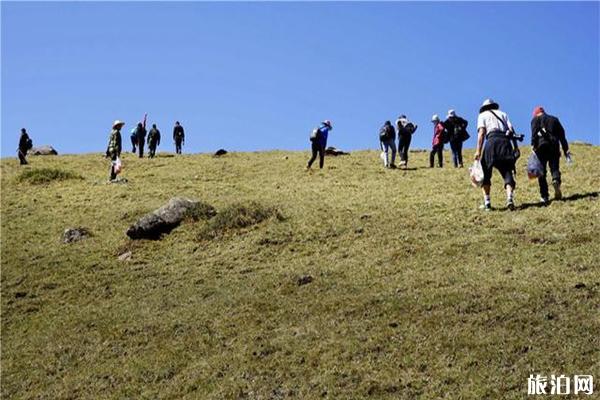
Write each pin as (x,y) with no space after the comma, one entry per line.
(405,130)
(25,144)
(153,141)
(437,144)
(113,151)
(178,137)
(134,139)
(140,133)
(318,140)
(547,137)
(500,150)
(387,141)
(457,132)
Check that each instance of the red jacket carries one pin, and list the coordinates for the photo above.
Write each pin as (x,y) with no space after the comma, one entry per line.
(437,134)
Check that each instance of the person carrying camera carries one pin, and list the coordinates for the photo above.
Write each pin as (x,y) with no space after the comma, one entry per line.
(547,136)
(500,151)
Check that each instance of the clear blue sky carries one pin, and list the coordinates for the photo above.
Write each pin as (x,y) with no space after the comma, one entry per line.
(256,76)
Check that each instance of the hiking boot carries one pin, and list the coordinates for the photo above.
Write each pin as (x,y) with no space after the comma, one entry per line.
(510,205)
(557,191)
(544,201)
(486,207)
(393,166)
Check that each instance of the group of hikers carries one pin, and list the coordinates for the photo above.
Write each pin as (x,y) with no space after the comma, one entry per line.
(453,130)
(138,138)
(496,146)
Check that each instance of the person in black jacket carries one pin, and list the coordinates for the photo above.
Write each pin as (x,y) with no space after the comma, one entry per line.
(405,131)
(153,140)
(178,137)
(387,141)
(547,136)
(457,130)
(140,133)
(24,146)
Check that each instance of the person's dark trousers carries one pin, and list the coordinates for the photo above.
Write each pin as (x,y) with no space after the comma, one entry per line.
(151,150)
(456,147)
(141,147)
(178,146)
(403,145)
(320,150)
(549,157)
(113,174)
(22,159)
(439,150)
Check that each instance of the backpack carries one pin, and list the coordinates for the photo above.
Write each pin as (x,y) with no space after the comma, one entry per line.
(445,134)
(385,133)
(410,128)
(314,135)
(29,143)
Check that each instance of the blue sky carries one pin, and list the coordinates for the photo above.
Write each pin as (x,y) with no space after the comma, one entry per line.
(256,76)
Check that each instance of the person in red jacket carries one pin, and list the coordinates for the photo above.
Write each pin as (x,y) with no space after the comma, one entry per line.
(437,142)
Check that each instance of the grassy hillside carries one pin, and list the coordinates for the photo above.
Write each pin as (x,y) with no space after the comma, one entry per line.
(416,293)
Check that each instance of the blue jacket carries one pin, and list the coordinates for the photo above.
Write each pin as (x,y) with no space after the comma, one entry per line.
(324,129)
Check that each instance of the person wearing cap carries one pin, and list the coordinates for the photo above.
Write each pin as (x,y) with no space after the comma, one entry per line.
(387,141)
(24,146)
(113,151)
(495,130)
(547,136)
(178,137)
(140,133)
(457,129)
(319,144)
(153,141)
(405,130)
(437,143)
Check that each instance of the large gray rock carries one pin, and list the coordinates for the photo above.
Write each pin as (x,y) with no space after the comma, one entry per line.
(162,220)
(45,150)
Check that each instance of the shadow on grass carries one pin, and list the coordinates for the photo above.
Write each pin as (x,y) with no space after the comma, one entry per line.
(573,197)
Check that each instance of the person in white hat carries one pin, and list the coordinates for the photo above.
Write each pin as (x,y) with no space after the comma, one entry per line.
(405,130)
(457,130)
(113,151)
(437,142)
(495,129)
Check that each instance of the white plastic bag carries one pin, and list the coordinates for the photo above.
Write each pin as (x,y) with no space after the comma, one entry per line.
(383,157)
(118,166)
(476,174)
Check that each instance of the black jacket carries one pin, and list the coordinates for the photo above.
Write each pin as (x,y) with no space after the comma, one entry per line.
(24,142)
(389,131)
(178,132)
(455,127)
(546,130)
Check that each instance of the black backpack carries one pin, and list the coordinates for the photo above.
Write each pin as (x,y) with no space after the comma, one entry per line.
(29,143)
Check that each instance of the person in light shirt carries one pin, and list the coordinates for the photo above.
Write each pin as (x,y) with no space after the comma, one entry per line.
(494,141)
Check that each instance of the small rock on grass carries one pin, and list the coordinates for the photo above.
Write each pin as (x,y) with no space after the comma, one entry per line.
(304,280)
(71,235)
(125,256)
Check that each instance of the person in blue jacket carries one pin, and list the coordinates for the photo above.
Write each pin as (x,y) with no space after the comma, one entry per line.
(319,143)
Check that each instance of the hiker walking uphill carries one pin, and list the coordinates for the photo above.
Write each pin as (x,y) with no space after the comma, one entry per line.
(153,141)
(318,139)
(178,137)
(140,133)
(25,144)
(457,131)
(405,131)
(113,151)
(547,136)
(387,141)
(500,150)
(437,144)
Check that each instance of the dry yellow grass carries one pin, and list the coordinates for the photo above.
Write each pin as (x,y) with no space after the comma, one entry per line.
(416,292)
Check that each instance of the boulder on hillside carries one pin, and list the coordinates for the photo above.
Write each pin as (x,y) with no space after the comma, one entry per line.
(166,218)
(220,152)
(45,150)
(333,151)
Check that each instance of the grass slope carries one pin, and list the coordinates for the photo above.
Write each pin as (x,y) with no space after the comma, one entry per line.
(416,293)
